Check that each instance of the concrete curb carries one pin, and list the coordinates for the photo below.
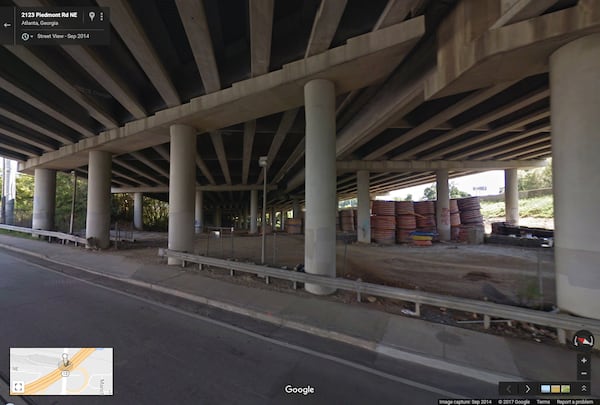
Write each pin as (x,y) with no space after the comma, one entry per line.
(488,376)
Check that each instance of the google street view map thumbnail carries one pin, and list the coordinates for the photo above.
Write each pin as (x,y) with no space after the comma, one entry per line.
(61,371)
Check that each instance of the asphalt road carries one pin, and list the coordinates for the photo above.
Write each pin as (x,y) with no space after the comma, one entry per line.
(176,352)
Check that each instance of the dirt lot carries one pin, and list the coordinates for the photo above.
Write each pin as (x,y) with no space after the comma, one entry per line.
(496,273)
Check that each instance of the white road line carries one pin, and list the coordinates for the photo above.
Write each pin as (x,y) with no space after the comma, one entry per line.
(338,360)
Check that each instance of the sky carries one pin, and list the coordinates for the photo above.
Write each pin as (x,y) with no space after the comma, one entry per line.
(493,181)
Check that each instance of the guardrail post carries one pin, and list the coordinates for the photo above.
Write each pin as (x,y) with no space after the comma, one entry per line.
(267,281)
(417,309)
(358,288)
(183,263)
(561,334)
(231,272)
(486,321)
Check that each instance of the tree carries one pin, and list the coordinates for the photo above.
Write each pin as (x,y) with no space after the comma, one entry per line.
(430,193)
(534,179)
(456,193)
(408,197)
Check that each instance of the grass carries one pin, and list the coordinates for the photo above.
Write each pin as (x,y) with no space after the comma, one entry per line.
(538,207)
(17,234)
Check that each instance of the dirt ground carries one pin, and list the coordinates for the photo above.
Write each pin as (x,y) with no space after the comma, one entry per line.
(503,274)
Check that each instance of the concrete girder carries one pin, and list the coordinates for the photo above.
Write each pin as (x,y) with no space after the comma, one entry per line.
(439,118)
(207,187)
(363,60)
(294,158)
(63,85)
(429,165)
(261,30)
(139,156)
(204,169)
(284,127)
(25,139)
(134,169)
(125,176)
(217,140)
(124,21)
(528,141)
(507,53)
(21,150)
(484,119)
(496,144)
(325,25)
(396,11)
(45,107)
(32,125)
(249,132)
(194,21)
(518,10)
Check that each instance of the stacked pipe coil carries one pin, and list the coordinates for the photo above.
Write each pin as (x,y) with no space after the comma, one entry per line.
(454,220)
(425,211)
(405,221)
(347,220)
(383,222)
(470,217)
(294,226)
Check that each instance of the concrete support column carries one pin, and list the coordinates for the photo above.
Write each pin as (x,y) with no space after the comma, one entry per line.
(321,199)
(363,220)
(138,211)
(218,221)
(295,209)
(199,212)
(282,220)
(253,211)
(182,186)
(442,212)
(44,199)
(9,190)
(98,203)
(575,107)
(511,196)
(273,218)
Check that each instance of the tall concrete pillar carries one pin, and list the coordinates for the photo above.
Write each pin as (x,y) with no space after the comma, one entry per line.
(511,196)
(44,199)
(199,211)
(138,211)
(9,190)
(282,215)
(273,218)
(253,211)
(442,212)
(321,199)
(363,221)
(97,225)
(295,209)
(182,186)
(218,221)
(575,107)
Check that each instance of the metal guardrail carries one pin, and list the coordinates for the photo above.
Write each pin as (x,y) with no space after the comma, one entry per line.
(562,322)
(50,234)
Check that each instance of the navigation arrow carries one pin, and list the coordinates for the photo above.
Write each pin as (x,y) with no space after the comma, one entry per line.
(527,389)
(6,25)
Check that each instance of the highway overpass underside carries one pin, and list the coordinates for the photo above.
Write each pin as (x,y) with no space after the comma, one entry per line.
(341,97)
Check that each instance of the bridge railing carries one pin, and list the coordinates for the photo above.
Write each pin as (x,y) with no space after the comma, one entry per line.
(63,237)
(561,322)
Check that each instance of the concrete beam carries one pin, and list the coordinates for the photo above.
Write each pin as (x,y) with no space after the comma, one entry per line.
(125,22)
(63,85)
(135,170)
(325,25)
(9,132)
(217,140)
(32,125)
(261,29)
(208,187)
(294,158)
(284,127)
(438,119)
(204,169)
(430,165)
(396,11)
(139,156)
(195,24)
(44,106)
(363,60)
(480,120)
(507,53)
(518,10)
(249,132)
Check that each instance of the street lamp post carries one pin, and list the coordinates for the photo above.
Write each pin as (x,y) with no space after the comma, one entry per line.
(262,162)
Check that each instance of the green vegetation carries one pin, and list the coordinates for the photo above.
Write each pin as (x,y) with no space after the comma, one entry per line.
(538,207)
(534,179)
(430,192)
